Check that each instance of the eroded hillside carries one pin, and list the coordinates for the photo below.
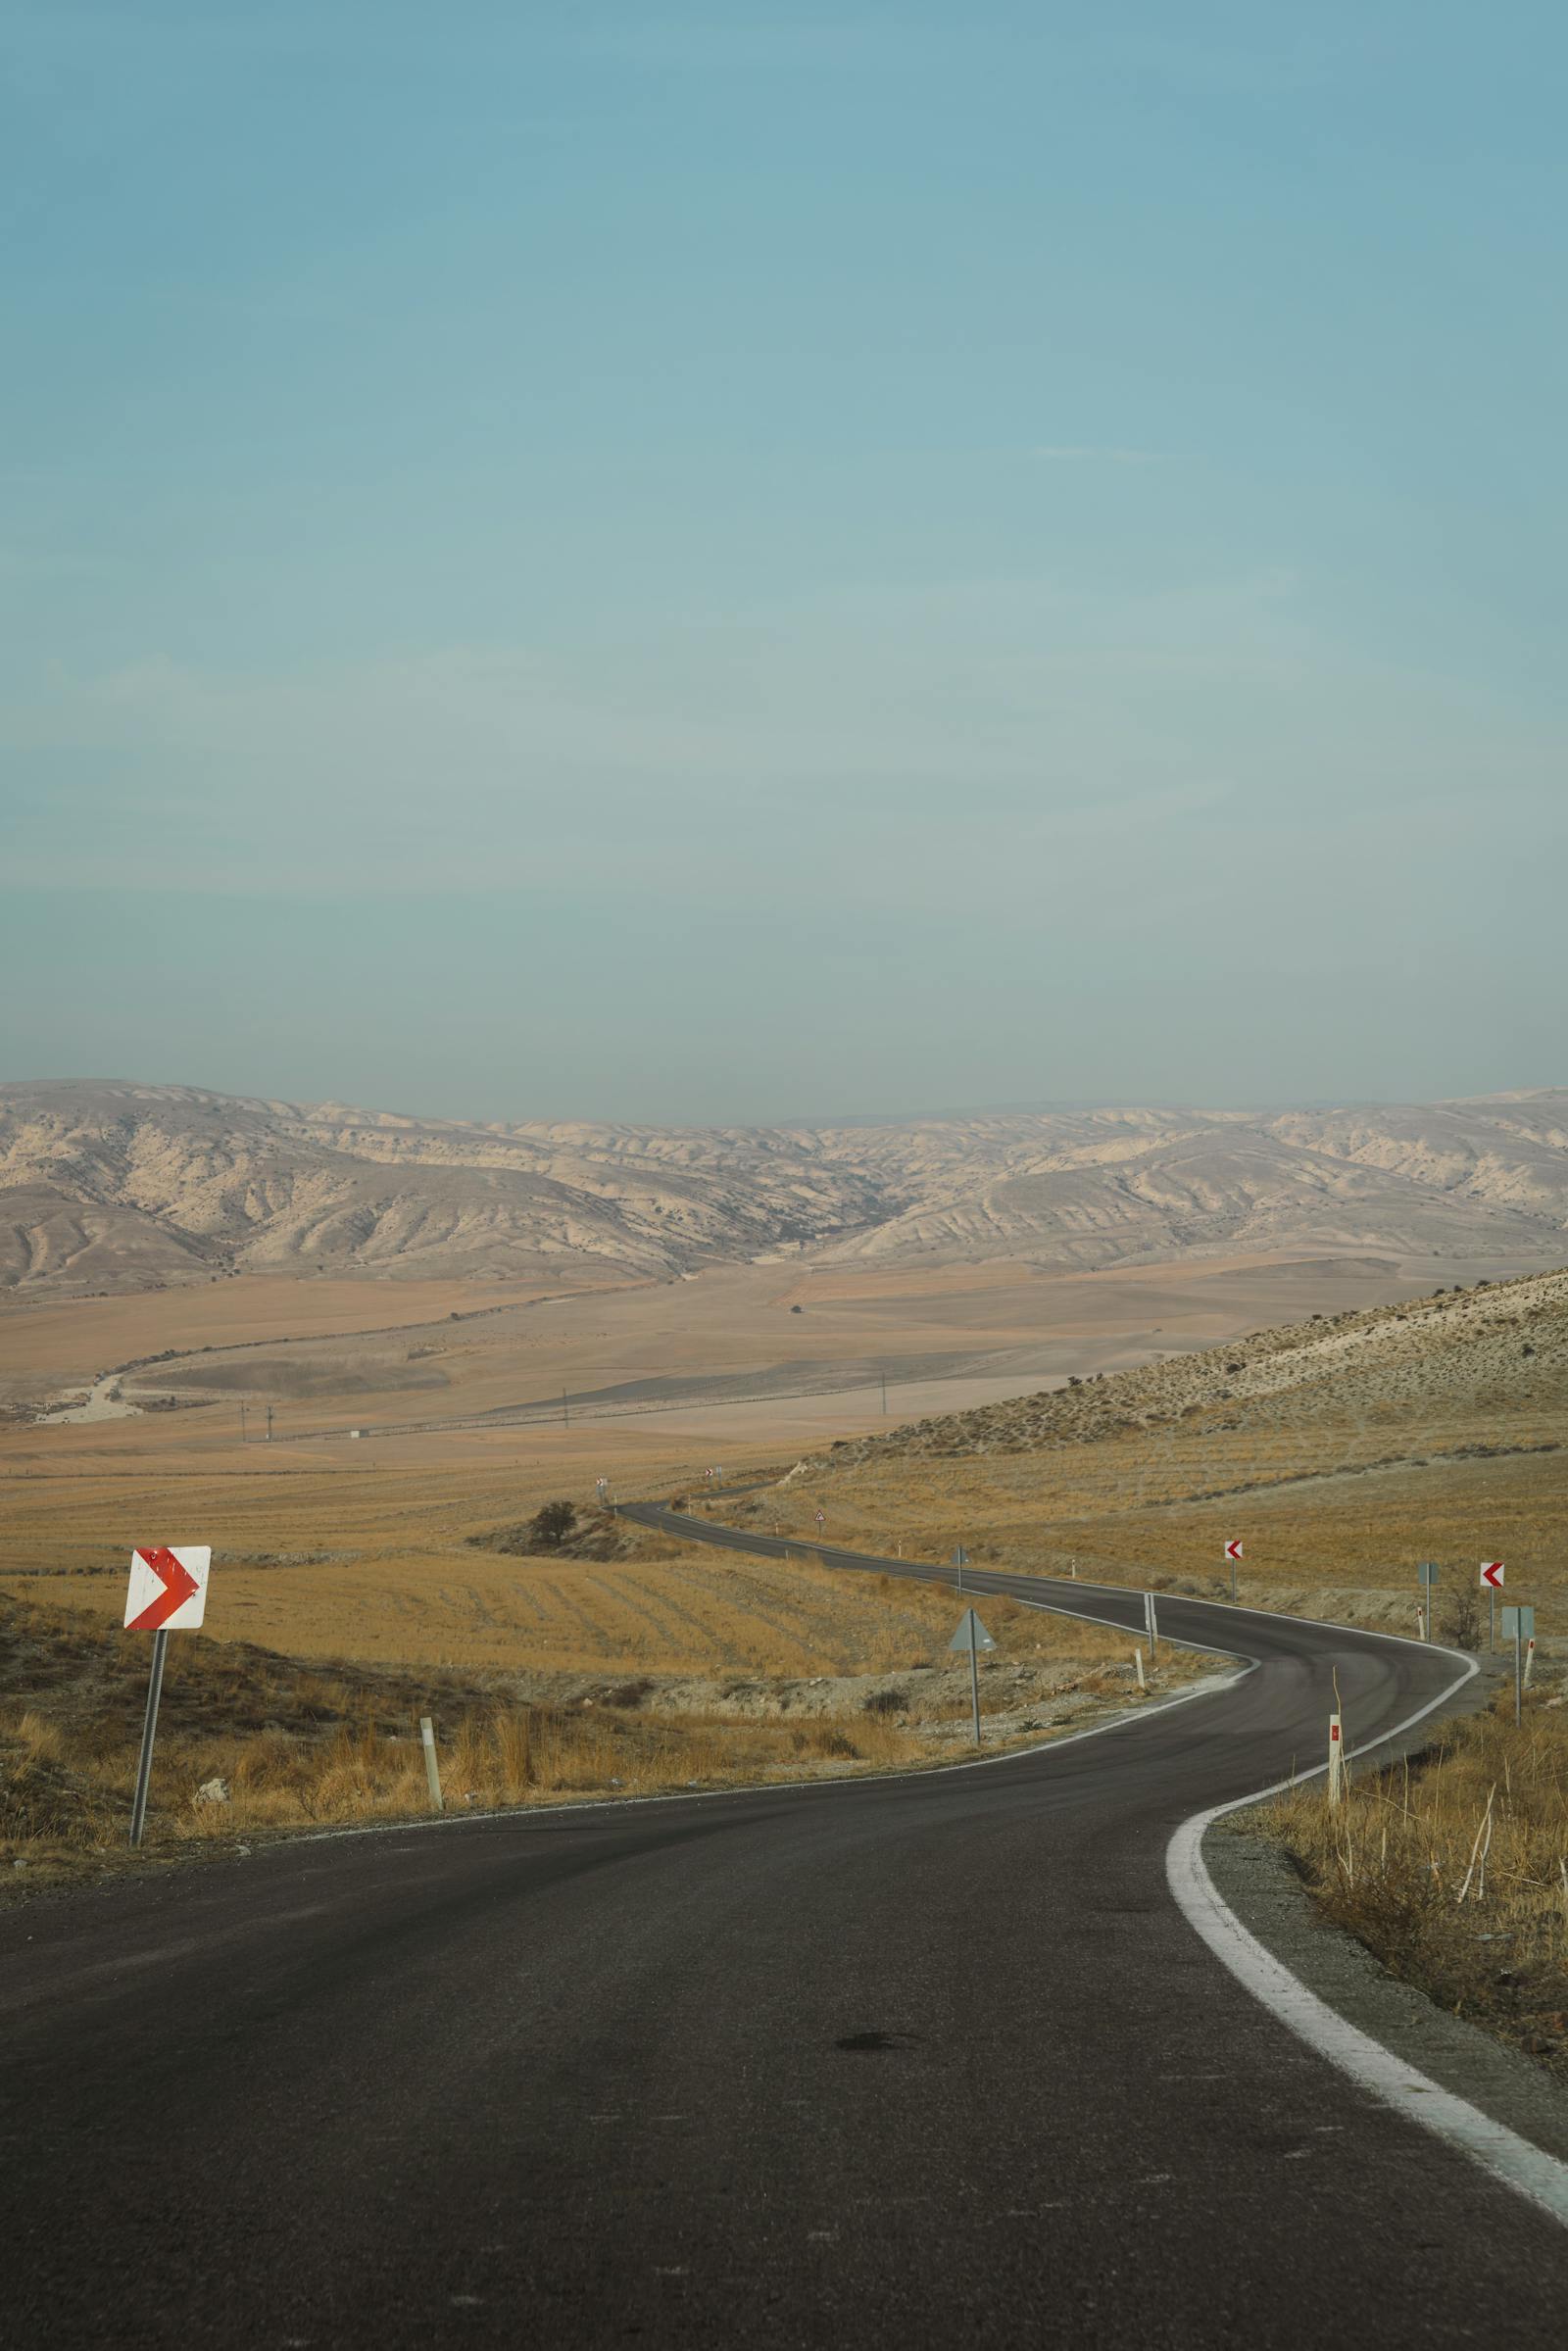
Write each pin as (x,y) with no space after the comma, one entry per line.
(125,1186)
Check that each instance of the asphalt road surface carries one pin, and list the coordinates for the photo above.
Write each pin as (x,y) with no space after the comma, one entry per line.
(902,2062)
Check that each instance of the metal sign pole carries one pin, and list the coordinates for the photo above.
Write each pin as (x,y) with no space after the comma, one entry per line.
(1491,1618)
(973,1636)
(975,1685)
(149,1732)
(1518,1670)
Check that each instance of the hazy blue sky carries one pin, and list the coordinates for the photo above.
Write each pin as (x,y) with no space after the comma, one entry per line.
(748,561)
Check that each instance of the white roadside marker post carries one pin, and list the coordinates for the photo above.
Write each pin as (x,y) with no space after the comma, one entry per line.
(433,1769)
(1138,1661)
(1530,1658)
(1336,1761)
(1519,1626)
(1518,1677)
(1151,1626)
(1429,1574)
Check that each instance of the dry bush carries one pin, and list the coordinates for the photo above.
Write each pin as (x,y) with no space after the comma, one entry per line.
(1454,1871)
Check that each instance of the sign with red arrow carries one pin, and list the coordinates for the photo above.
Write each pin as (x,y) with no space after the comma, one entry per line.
(167,1588)
(1233,1550)
(1492,1572)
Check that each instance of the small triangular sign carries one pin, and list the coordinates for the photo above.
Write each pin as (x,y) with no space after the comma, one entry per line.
(972,1634)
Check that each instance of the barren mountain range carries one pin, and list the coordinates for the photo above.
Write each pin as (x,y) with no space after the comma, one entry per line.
(121,1186)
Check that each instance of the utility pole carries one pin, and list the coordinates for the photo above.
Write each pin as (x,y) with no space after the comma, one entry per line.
(269,1424)
(242,1420)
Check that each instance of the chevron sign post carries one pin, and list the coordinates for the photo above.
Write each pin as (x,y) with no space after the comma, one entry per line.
(1493,1573)
(1232,1553)
(168,1593)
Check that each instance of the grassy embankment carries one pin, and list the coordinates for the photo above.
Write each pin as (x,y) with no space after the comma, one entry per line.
(1343,1452)
(297,1743)
(1453,1870)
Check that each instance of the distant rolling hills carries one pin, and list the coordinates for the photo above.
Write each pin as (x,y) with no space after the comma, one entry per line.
(117,1185)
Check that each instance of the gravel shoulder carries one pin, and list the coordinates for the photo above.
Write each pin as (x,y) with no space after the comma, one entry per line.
(1258,1881)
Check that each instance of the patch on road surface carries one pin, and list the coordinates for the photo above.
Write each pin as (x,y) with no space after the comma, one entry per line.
(878,2040)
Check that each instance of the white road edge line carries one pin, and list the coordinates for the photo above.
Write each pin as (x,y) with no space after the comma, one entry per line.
(1514,2161)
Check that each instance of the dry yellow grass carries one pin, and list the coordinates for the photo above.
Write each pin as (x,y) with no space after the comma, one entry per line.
(692,1612)
(1126,1507)
(1342,1453)
(1456,1872)
(295,1744)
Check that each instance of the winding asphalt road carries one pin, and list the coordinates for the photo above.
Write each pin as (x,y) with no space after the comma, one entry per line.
(899,2061)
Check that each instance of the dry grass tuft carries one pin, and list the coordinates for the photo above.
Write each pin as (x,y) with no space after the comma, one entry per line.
(1453,1870)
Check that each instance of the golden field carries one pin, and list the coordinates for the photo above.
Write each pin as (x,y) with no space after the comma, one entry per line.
(1341,1453)
(671,1612)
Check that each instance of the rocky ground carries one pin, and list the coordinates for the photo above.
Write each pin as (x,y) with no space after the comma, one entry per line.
(933,1700)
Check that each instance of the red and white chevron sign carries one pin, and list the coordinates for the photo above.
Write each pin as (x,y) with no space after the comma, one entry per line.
(1492,1572)
(167,1588)
(1233,1550)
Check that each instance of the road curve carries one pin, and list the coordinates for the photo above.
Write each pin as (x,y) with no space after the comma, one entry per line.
(931,2060)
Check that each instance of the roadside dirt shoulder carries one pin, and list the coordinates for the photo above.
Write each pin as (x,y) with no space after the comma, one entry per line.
(1256,1878)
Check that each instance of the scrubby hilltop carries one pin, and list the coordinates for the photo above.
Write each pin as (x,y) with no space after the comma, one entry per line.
(1459,1352)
